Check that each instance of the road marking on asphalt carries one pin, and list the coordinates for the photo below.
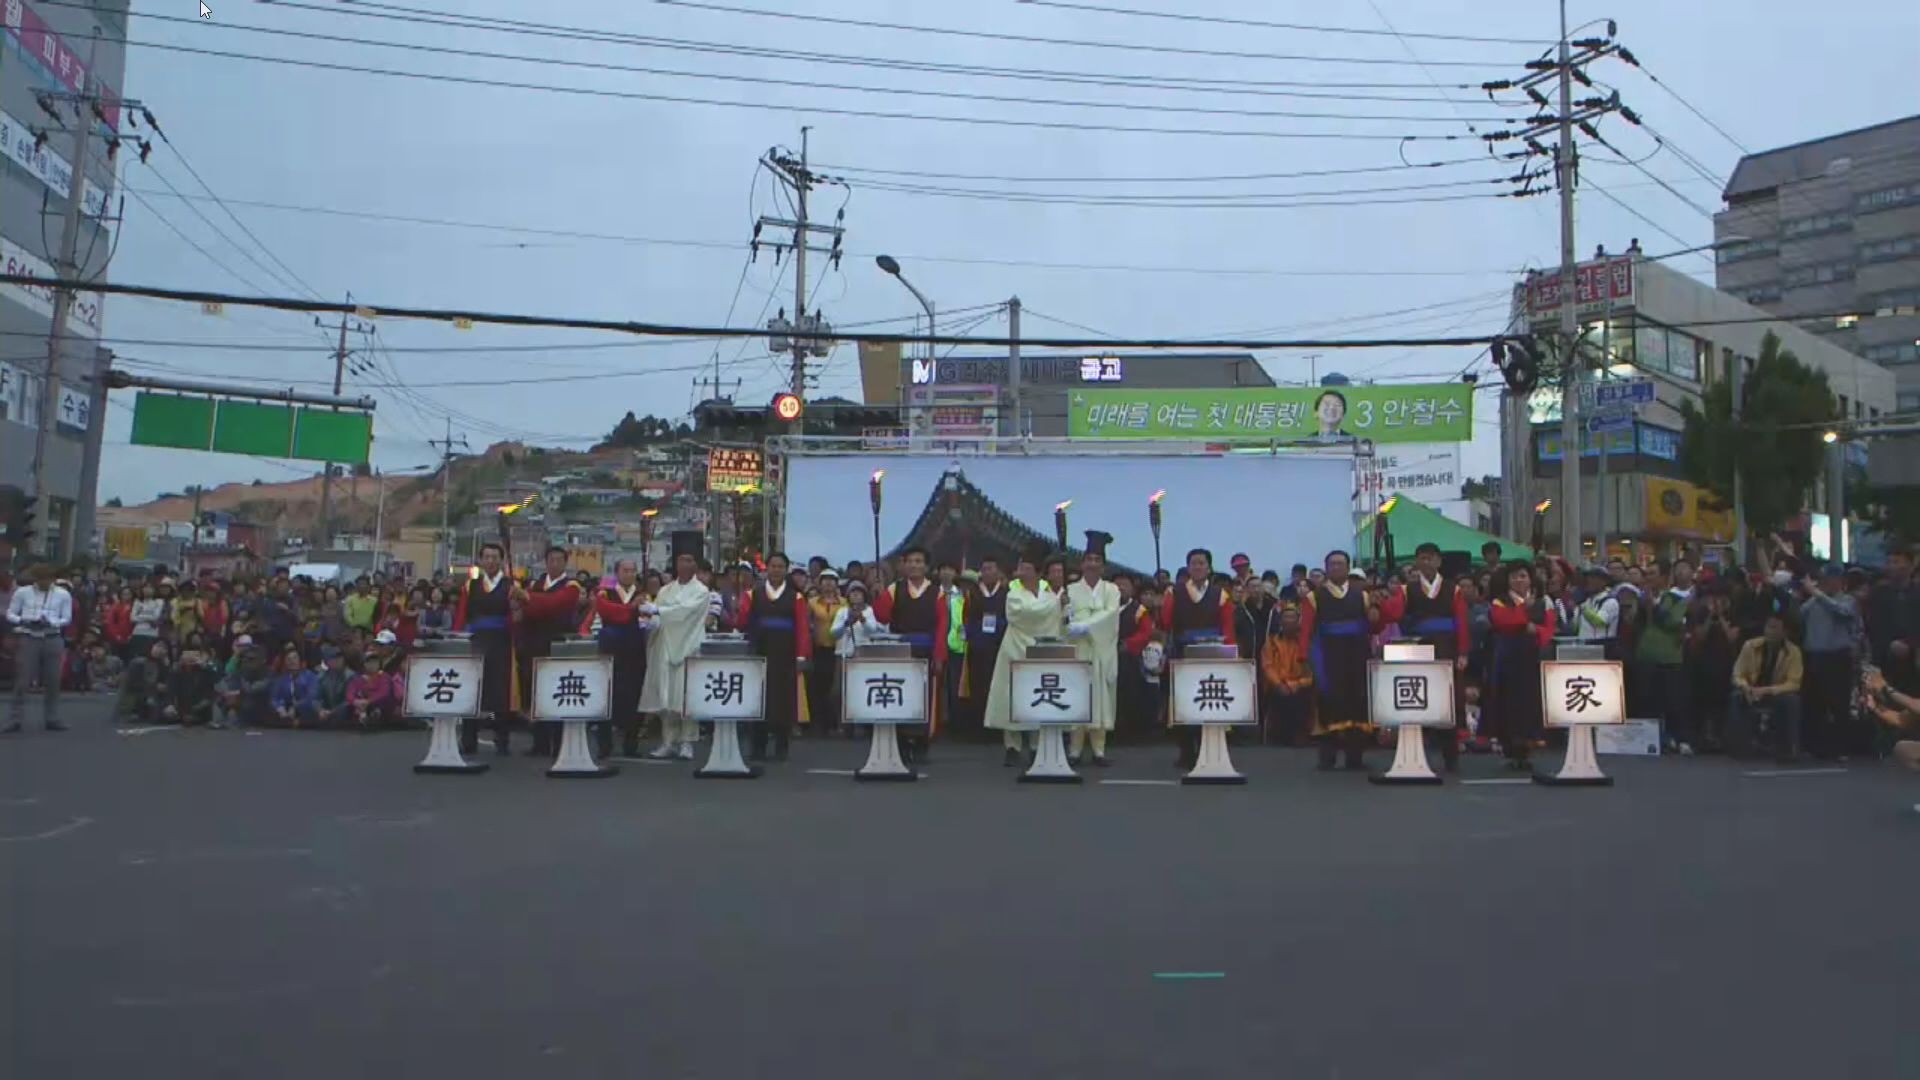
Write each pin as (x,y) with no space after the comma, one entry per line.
(1770,773)
(650,760)
(1142,783)
(146,730)
(830,772)
(1501,780)
(59,830)
(1189,974)
(29,801)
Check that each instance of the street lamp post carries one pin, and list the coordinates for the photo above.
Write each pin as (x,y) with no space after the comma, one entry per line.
(892,266)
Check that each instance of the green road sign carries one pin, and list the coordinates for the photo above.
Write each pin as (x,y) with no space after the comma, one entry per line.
(251,427)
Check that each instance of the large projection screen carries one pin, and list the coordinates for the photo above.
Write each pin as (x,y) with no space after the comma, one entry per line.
(1278,509)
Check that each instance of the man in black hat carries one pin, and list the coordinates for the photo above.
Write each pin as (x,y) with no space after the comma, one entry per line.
(679,617)
(1093,624)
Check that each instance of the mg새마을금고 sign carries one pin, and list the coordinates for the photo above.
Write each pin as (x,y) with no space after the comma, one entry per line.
(884,691)
(1214,692)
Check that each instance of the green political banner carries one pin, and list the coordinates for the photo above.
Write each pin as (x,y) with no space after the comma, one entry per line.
(1398,413)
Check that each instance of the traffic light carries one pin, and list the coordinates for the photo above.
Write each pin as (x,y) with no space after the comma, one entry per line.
(16,517)
(1519,362)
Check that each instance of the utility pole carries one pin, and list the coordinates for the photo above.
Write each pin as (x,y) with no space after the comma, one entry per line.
(446,446)
(1560,119)
(804,334)
(340,354)
(85,107)
(1571,455)
(1013,366)
(1736,387)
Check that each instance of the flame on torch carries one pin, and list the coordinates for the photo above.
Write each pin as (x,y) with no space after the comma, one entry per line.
(1155,498)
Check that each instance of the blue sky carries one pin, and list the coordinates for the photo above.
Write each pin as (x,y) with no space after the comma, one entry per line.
(659,197)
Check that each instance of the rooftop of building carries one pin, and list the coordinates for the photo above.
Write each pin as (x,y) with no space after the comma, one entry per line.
(1764,171)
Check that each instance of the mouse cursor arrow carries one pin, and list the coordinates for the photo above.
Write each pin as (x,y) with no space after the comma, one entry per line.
(205,11)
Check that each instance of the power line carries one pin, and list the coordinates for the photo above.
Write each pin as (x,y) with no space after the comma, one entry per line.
(857,171)
(1684,103)
(870,114)
(418,16)
(576,234)
(813,84)
(1223,20)
(649,329)
(181,156)
(188,240)
(1030,39)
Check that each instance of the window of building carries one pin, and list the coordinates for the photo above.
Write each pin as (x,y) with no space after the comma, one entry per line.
(1887,198)
(1907,400)
(1819,273)
(1843,406)
(1683,356)
(1740,250)
(1650,342)
(1762,294)
(1859,411)
(1893,353)
(1816,224)
(1898,298)
(1900,247)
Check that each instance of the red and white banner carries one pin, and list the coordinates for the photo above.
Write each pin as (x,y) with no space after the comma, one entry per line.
(47,52)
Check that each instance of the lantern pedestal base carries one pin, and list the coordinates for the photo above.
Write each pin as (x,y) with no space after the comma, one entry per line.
(884,763)
(1050,764)
(1581,767)
(443,751)
(723,758)
(1215,764)
(1409,760)
(575,761)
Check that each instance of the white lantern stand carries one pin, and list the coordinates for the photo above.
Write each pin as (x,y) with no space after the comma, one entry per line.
(881,713)
(1050,725)
(579,658)
(1392,701)
(726,655)
(1214,659)
(1581,766)
(445,708)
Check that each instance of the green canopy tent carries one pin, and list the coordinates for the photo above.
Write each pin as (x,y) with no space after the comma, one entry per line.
(1412,523)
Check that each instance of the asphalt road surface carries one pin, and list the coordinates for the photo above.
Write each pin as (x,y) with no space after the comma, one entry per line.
(288,905)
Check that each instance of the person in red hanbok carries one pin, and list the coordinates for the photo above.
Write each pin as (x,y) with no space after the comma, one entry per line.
(1523,623)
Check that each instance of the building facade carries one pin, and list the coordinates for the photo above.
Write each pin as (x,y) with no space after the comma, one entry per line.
(45,50)
(1833,225)
(1682,335)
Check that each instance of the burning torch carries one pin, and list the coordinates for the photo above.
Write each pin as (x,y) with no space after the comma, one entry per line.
(873,496)
(1060,525)
(1153,522)
(646,536)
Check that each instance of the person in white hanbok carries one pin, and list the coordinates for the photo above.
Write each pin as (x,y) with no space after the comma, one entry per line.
(1093,625)
(679,617)
(1033,612)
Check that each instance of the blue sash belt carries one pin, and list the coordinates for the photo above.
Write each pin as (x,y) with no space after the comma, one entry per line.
(1438,624)
(776,622)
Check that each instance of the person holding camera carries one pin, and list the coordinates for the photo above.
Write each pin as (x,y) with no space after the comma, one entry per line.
(39,616)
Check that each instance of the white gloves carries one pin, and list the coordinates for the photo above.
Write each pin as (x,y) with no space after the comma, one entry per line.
(1076,630)
(649,609)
